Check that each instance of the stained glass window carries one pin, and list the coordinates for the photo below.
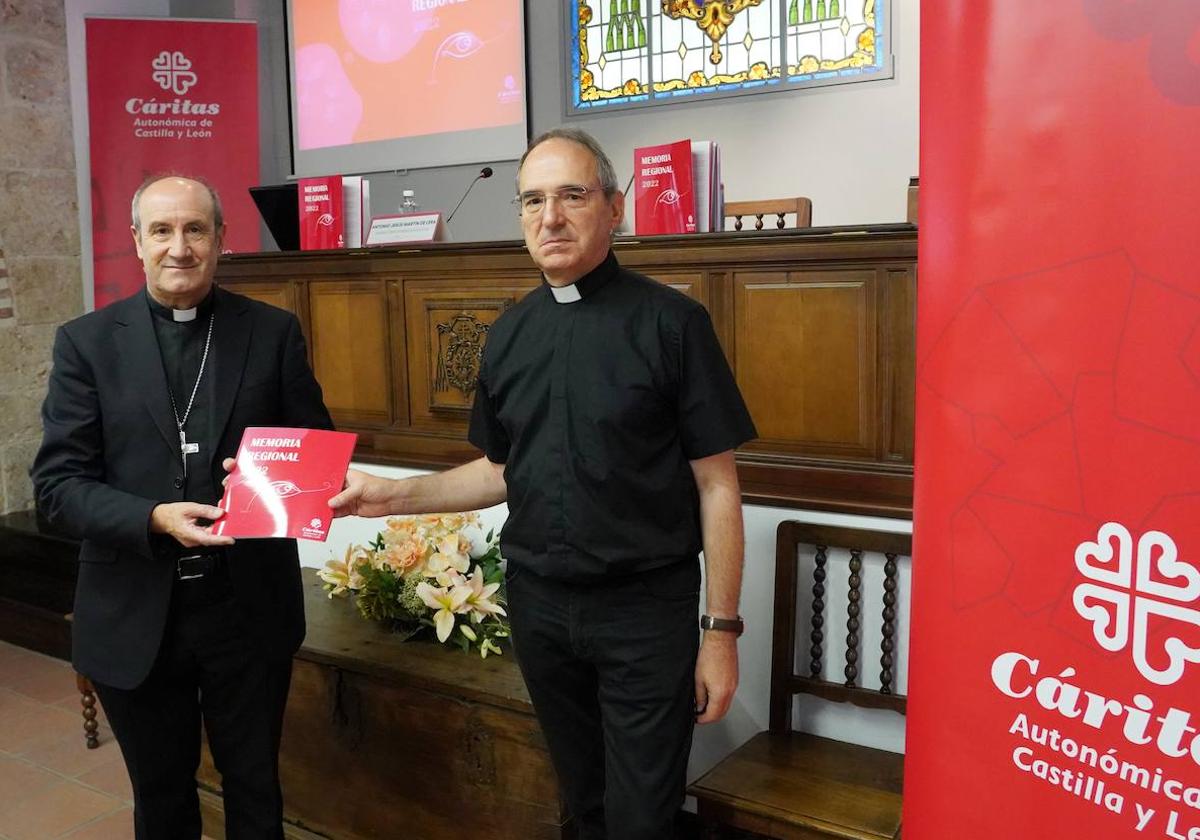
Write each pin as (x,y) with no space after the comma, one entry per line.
(626,53)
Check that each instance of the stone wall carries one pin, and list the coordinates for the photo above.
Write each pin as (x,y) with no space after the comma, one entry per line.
(40,285)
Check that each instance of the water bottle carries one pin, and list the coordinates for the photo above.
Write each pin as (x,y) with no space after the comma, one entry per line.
(409,204)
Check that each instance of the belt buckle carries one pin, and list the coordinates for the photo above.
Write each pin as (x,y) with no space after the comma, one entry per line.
(188,560)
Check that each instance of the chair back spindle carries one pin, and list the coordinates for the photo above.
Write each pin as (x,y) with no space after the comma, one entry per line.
(786,682)
(800,208)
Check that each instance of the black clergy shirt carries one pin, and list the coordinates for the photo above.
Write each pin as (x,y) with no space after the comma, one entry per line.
(181,345)
(595,405)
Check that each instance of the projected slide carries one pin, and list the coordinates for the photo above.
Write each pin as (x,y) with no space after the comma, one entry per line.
(367,71)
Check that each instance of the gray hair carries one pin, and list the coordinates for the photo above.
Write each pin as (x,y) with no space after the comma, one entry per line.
(135,216)
(605,174)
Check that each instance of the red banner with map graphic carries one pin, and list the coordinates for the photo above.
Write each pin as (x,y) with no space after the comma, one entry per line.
(168,96)
(1055,682)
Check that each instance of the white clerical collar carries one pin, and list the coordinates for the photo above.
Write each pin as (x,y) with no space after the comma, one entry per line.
(566,294)
(184,314)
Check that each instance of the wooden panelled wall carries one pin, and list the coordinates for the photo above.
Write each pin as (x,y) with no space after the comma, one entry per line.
(818,325)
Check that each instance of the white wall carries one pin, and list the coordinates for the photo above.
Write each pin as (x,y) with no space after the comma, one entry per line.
(850,148)
(748,715)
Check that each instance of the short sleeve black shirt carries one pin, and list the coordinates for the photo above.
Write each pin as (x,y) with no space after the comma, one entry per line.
(595,407)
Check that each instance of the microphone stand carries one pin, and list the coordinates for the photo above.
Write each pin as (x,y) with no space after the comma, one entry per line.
(486,172)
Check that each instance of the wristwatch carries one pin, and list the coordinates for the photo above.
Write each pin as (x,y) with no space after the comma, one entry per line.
(728,625)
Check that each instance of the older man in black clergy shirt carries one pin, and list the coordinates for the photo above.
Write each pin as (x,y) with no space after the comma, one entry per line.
(173,624)
(608,417)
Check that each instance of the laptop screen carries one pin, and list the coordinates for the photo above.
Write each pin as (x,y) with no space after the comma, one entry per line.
(279,205)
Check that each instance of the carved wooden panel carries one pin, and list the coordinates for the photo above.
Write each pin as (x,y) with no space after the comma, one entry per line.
(897,362)
(446,330)
(274,294)
(351,358)
(690,283)
(817,324)
(806,359)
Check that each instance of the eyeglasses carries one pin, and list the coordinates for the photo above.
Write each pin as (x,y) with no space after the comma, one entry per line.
(569,199)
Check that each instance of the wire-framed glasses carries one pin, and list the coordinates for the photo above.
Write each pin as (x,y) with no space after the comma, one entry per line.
(574,197)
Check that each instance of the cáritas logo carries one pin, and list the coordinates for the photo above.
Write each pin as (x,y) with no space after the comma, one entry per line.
(1126,587)
(172,71)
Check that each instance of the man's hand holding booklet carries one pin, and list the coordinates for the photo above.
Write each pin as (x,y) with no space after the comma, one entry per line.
(283,481)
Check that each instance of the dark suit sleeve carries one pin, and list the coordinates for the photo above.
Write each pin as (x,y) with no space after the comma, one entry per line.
(68,471)
(303,405)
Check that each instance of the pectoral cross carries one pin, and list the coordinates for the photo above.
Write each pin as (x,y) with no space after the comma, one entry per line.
(186,449)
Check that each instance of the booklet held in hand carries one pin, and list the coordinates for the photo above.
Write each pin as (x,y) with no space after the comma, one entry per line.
(283,482)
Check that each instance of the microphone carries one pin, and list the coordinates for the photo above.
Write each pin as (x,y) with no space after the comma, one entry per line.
(486,172)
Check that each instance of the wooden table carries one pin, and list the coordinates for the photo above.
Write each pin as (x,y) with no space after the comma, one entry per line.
(391,739)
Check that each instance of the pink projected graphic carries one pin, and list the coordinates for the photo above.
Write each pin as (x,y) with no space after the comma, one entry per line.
(330,109)
(368,70)
(382,32)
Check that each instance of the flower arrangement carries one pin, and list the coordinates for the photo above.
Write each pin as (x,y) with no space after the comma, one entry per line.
(419,573)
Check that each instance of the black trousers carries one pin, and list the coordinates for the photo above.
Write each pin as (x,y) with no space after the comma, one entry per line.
(206,670)
(610,669)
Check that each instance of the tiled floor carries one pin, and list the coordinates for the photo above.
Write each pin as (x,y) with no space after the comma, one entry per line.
(51,785)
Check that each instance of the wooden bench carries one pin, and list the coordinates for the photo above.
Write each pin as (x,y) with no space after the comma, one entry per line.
(37,584)
(797,786)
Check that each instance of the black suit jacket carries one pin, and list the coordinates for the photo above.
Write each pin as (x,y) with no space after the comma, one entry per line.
(110,453)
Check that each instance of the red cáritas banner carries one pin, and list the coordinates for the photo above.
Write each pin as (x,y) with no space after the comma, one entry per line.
(1055,644)
(168,96)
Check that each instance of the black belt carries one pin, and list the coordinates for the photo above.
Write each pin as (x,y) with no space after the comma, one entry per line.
(199,565)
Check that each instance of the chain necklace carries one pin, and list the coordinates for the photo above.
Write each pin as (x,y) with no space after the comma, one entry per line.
(185,448)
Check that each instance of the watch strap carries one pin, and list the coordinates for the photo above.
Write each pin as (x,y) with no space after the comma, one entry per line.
(728,625)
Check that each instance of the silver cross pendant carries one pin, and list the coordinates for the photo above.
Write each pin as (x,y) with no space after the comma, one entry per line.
(186,449)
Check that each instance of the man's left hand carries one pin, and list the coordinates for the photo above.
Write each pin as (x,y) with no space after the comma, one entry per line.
(716,676)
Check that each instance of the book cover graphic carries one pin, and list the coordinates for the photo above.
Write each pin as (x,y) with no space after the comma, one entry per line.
(283,482)
(322,217)
(664,197)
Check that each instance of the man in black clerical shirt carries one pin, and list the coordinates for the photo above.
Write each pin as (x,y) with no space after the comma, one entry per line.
(608,417)
(173,624)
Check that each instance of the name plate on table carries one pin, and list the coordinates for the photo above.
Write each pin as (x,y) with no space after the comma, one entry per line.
(406,227)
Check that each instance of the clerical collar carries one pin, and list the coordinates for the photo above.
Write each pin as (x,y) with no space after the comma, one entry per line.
(181,315)
(588,284)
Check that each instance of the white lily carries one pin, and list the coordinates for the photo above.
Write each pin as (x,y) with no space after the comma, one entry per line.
(479,601)
(339,574)
(446,602)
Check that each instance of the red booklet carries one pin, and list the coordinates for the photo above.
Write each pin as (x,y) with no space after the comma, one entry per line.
(664,196)
(283,482)
(322,220)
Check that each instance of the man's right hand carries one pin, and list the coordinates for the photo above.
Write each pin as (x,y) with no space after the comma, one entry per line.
(365,495)
(181,520)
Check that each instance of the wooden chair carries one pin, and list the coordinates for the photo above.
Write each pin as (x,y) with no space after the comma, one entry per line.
(801,208)
(797,786)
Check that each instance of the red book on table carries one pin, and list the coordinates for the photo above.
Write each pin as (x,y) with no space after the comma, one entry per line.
(283,482)
(664,195)
(322,216)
